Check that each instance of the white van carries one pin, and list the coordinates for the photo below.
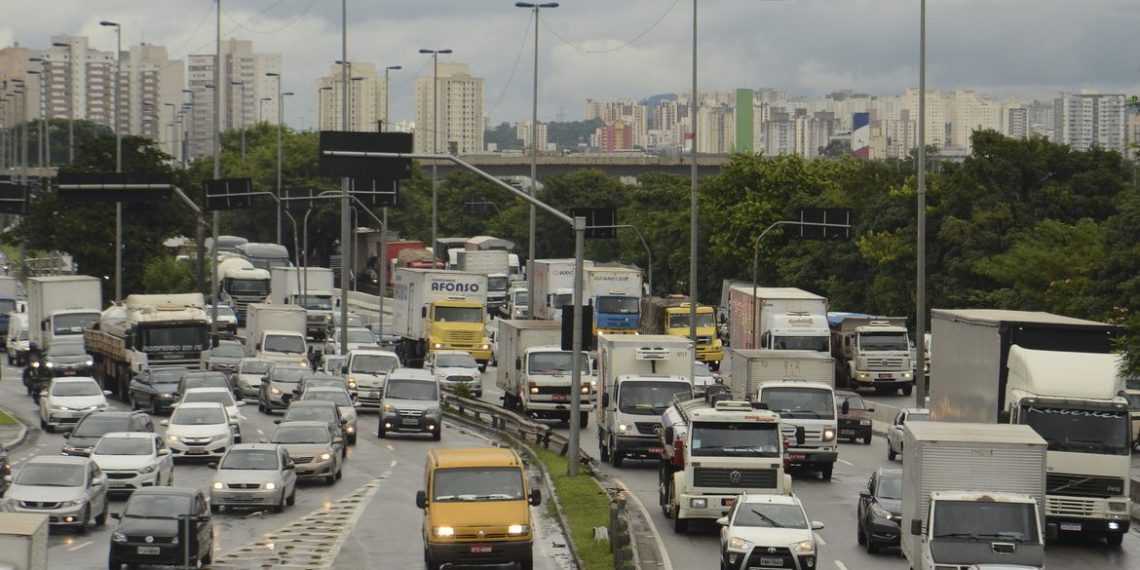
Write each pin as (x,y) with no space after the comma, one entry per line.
(17,341)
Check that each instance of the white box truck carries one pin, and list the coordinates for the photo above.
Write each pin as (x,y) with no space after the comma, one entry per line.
(800,386)
(436,309)
(553,286)
(1057,375)
(311,288)
(615,294)
(60,307)
(534,372)
(973,494)
(638,375)
(276,333)
(780,318)
(23,541)
(495,264)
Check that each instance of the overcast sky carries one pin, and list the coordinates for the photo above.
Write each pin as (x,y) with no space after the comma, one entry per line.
(610,49)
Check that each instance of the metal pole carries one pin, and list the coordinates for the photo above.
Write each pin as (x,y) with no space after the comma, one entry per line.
(435,149)
(573,455)
(24,170)
(280,119)
(344,188)
(533,173)
(241,113)
(118,164)
(693,217)
(70,103)
(305,242)
(920,309)
(383,263)
(217,170)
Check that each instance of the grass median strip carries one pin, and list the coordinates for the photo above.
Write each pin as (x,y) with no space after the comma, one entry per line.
(7,420)
(585,506)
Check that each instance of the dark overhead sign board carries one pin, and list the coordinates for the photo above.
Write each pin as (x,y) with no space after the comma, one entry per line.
(837,220)
(373,192)
(117,187)
(301,199)
(363,167)
(13,198)
(597,217)
(229,194)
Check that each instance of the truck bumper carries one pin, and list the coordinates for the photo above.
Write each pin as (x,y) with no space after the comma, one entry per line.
(888,378)
(479,552)
(1067,514)
(704,506)
(645,446)
(710,354)
(615,331)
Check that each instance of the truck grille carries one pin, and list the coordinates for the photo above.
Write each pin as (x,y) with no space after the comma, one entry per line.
(704,340)
(746,478)
(885,363)
(461,337)
(647,428)
(1083,486)
(811,434)
(1059,506)
(560,390)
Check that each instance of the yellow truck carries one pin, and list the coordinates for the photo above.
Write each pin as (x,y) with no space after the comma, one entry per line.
(670,316)
(477,508)
(436,309)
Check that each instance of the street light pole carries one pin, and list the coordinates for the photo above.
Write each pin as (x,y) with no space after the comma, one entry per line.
(345,234)
(219,63)
(118,158)
(533,152)
(40,111)
(241,113)
(434,143)
(920,310)
(280,118)
(693,213)
(70,99)
(387,96)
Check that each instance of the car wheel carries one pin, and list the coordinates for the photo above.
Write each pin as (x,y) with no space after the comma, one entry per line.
(208,557)
(890,452)
(215,508)
(280,506)
(603,453)
(867,439)
(131,400)
(102,518)
(381,432)
(583,419)
(292,499)
(330,478)
(872,546)
(86,523)
(113,563)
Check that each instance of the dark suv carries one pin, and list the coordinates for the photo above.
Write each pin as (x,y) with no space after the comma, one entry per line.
(152,529)
(96,424)
(203,379)
(855,418)
(156,388)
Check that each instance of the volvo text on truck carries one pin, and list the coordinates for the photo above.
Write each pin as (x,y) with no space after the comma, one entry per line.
(61,307)
(871,352)
(670,315)
(1057,375)
(534,372)
(436,309)
(780,318)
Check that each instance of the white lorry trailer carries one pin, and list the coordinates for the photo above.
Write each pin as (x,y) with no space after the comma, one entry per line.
(871,352)
(1057,375)
(553,287)
(973,496)
(61,307)
(495,264)
(798,385)
(534,372)
(276,333)
(780,318)
(436,309)
(311,288)
(638,375)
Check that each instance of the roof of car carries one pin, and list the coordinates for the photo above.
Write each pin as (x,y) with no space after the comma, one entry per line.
(184,491)
(310,403)
(304,423)
(208,390)
(322,377)
(916,410)
(890,471)
(192,373)
(442,352)
(411,374)
(131,434)
(59,460)
(72,379)
(373,351)
(256,446)
(186,405)
(770,499)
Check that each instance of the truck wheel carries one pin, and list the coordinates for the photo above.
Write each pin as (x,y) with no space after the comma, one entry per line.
(867,439)
(1114,539)
(908,389)
(527,563)
(680,525)
(603,452)
(617,457)
(583,419)
(826,471)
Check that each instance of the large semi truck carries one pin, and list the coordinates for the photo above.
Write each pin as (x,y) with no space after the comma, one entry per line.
(1058,376)
(61,307)
(553,287)
(240,284)
(495,264)
(779,318)
(436,309)
(534,372)
(670,315)
(871,352)
(615,294)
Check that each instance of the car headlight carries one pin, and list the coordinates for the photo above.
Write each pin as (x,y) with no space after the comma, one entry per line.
(444,531)
(220,436)
(351,384)
(431,412)
(350,429)
(173,438)
(864,422)
(326,456)
(89,362)
(270,486)
(149,468)
(737,544)
(118,537)
(59,408)
(805,547)
(828,434)
(623,427)
(75,503)
(274,391)
(881,512)
(518,529)
(438,345)
(304,363)
(219,485)
(35,365)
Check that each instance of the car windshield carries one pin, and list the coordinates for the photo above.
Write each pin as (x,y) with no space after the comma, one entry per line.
(977,520)
(478,484)
(300,434)
(315,302)
(797,402)
(124,446)
(337,397)
(1078,430)
(618,305)
(283,343)
(918,417)
(51,475)
(499,283)
(222,397)
(682,320)
(812,343)
(410,390)
(66,349)
(554,363)
(260,459)
(309,413)
(459,314)
(198,416)
(157,506)
(884,341)
(464,360)
(228,351)
(374,363)
(254,367)
(223,311)
(890,485)
(854,402)
(360,337)
(288,374)
(166,376)
(95,425)
(736,439)
(650,398)
(206,381)
(768,515)
(73,323)
(75,389)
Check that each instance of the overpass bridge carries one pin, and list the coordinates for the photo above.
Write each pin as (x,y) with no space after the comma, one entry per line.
(614,165)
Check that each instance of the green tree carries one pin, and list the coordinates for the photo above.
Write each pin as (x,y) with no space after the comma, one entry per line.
(163,274)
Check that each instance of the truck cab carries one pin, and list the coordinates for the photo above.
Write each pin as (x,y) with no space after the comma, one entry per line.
(498,284)
(972,528)
(517,305)
(630,414)
(710,349)
(458,324)
(545,372)
(810,406)
(241,284)
(616,313)
(872,352)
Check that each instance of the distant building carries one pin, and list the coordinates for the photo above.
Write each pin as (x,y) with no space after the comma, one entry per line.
(744,121)
(523,132)
(459,108)
(615,136)
(243,104)
(1085,120)
(367,93)
(861,135)
(1017,123)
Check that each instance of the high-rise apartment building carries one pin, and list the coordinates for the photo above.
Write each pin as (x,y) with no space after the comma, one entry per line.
(367,92)
(1085,120)
(459,109)
(1017,122)
(248,95)
(523,131)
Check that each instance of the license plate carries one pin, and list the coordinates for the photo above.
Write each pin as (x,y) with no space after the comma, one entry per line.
(196,452)
(797,456)
(149,550)
(1074,527)
(728,502)
(410,421)
(561,397)
(846,432)
(655,450)
(771,561)
(481,549)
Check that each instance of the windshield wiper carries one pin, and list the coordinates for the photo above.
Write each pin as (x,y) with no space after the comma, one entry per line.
(1095,445)
(766,518)
(970,535)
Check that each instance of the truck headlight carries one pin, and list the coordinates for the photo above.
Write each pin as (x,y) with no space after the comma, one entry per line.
(1118,507)
(274,391)
(828,434)
(351,384)
(486,347)
(698,503)
(805,547)
(518,529)
(585,388)
(118,537)
(444,531)
(438,345)
(862,376)
(219,485)
(906,375)
(623,427)
(49,364)
(736,544)
(89,362)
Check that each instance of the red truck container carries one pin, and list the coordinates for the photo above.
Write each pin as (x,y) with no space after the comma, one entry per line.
(394,249)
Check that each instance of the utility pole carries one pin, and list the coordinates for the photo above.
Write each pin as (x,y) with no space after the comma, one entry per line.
(920,310)
(434,142)
(118,157)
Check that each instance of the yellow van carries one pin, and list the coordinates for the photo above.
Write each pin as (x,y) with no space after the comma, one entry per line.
(476,508)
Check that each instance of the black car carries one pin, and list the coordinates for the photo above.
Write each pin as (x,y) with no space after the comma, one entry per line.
(153,529)
(68,359)
(156,388)
(97,423)
(203,379)
(880,510)
(278,385)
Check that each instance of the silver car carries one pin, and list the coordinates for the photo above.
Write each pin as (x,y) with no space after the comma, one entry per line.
(69,490)
(247,378)
(312,447)
(411,403)
(342,400)
(254,475)
(895,430)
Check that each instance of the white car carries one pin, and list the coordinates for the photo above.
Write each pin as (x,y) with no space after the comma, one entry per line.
(454,368)
(199,430)
(133,460)
(705,377)
(767,531)
(359,338)
(895,430)
(367,370)
(221,396)
(247,379)
(68,399)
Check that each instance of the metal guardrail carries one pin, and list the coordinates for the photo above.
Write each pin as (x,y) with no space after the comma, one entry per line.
(501,419)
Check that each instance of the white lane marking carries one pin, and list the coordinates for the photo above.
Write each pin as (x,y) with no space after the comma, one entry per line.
(389,447)
(847,463)
(839,564)
(667,563)
(354,518)
(80,545)
(819,539)
(259,432)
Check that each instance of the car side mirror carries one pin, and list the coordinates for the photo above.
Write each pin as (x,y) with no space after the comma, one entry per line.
(423,312)
(257,346)
(277,421)
(535,498)
(164,422)
(518,364)
(7,478)
(344,370)
(107,392)
(764,341)
(816,525)
(799,435)
(845,408)
(865,493)
(916,527)
(116,516)
(605,399)
(669,434)
(722,521)
(338,440)
(869,410)
(212,465)
(421,499)
(1003,417)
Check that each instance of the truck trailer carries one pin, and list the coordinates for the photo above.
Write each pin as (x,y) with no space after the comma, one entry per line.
(61,307)
(779,318)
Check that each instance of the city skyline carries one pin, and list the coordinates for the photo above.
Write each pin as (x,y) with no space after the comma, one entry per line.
(996,47)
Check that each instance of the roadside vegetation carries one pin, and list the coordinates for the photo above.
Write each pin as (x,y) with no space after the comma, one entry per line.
(590,508)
